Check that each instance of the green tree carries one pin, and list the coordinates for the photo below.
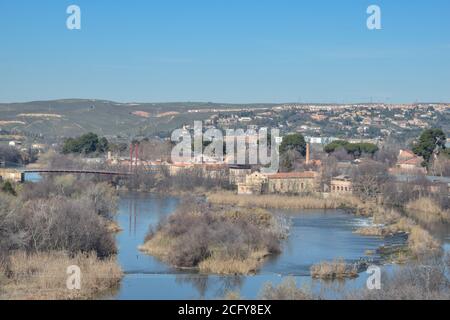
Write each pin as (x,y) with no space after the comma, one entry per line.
(293,142)
(355,149)
(358,149)
(430,141)
(336,145)
(86,144)
(103,145)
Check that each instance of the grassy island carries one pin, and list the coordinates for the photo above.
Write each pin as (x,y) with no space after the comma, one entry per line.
(217,240)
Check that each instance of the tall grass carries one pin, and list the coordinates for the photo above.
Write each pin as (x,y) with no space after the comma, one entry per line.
(42,276)
(219,264)
(287,290)
(427,280)
(337,269)
(422,243)
(426,210)
(284,202)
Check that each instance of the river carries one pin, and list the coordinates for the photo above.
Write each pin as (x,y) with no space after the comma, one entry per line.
(315,236)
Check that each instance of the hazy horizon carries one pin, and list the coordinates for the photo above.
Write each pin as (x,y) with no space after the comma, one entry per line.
(228,103)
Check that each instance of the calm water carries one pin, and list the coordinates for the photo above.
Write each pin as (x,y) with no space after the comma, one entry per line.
(315,236)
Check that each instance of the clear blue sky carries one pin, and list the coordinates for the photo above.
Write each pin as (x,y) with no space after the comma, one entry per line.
(225,51)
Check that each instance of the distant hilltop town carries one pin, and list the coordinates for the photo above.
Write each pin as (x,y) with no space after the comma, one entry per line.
(50,121)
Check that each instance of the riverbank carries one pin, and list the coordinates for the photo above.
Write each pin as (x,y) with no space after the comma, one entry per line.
(427,210)
(386,222)
(42,276)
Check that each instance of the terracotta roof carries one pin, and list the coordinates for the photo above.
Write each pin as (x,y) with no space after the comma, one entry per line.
(413,161)
(294,175)
(406,154)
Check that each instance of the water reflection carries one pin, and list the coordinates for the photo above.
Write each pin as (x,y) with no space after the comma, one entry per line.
(203,284)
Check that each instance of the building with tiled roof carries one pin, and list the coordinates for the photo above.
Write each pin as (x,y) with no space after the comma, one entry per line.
(292,182)
(407,161)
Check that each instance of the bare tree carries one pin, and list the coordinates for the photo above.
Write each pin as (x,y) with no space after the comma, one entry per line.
(64,224)
(387,155)
(154,149)
(441,166)
(369,178)
(10,155)
(328,171)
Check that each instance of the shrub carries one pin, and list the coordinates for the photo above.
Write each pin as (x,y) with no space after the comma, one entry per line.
(8,188)
(9,237)
(231,241)
(427,280)
(104,199)
(337,269)
(287,290)
(422,244)
(10,154)
(64,224)
(67,213)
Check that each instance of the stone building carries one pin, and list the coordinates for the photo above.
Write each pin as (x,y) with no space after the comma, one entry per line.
(238,173)
(341,185)
(282,183)
(212,171)
(293,182)
(11,175)
(254,184)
